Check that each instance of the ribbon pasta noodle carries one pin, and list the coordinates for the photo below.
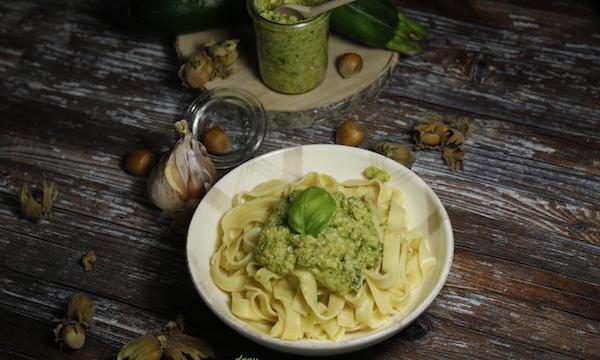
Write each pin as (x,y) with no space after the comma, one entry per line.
(294,306)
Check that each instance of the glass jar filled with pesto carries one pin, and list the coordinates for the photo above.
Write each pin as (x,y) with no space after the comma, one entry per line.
(292,52)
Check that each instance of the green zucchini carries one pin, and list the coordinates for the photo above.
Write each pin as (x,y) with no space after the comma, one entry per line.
(377,23)
(182,16)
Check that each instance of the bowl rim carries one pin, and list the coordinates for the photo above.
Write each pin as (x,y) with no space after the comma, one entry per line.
(319,347)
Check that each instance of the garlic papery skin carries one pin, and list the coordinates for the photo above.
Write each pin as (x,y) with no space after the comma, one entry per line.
(182,175)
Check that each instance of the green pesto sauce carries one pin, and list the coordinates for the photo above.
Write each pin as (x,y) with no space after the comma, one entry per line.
(336,256)
(292,57)
(266,9)
(373,172)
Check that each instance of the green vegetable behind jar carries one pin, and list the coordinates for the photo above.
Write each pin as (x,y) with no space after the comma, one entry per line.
(292,54)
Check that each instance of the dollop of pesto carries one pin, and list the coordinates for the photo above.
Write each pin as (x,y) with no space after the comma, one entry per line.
(266,9)
(336,256)
(373,172)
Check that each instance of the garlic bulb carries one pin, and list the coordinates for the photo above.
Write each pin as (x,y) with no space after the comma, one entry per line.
(182,175)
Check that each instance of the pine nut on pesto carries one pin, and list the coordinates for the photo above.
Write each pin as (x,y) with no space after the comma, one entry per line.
(292,53)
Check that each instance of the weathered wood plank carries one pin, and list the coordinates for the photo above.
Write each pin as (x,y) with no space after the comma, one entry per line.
(490,71)
(90,57)
(544,327)
(525,279)
(144,275)
(511,44)
(580,222)
(559,220)
(524,284)
(559,21)
(24,338)
(517,106)
(116,323)
(499,68)
(149,258)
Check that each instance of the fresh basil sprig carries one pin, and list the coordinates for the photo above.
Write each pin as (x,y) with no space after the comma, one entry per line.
(311,211)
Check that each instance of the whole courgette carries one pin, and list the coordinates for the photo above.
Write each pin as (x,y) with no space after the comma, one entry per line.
(377,23)
(182,16)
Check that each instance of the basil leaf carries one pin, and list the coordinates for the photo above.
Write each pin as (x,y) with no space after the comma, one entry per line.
(311,211)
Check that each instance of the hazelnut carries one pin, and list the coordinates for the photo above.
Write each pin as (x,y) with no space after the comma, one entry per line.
(349,133)
(140,162)
(216,141)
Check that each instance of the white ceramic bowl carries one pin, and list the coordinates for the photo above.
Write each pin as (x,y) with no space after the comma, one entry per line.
(424,209)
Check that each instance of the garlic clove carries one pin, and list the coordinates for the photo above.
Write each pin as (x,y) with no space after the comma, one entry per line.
(174,178)
(160,189)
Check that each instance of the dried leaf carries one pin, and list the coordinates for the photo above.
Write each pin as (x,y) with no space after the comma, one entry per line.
(81,309)
(48,197)
(30,207)
(429,135)
(447,133)
(88,259)
(453,150)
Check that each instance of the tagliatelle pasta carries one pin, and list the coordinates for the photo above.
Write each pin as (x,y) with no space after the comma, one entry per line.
(294,306)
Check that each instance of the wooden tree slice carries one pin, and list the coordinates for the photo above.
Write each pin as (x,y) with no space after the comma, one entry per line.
(335,98)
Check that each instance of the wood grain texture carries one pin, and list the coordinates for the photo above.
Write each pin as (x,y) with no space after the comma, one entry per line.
(79,90)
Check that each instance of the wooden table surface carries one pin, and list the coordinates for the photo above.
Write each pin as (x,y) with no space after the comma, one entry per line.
(79,90)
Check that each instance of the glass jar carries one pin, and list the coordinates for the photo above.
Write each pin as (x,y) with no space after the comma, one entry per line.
(292,58)
(238,113)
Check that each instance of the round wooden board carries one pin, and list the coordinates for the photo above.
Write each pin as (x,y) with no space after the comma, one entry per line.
(333,99)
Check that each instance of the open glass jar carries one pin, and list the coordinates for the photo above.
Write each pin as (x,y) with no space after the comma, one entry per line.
(238,113)
(292,58)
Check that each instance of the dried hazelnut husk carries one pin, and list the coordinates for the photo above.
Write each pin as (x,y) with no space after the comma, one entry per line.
(146,347)
(71,334)
(447,133)
(88,259)
(33,209)
(169,341)
(71,331)
(223,53)
(216,141)
(429,135)
(453,150)
(140,162)
(395,151)
(349,133)
(463,124)
(182,346)
(197,71)
(81,309)
(349,64)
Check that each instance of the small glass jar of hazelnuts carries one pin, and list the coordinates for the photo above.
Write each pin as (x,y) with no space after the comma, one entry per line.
(231,123)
